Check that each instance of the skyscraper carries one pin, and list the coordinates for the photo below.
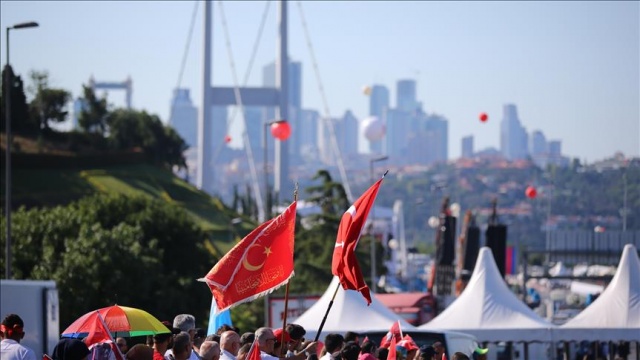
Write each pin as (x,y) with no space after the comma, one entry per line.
(467,147)
(184,116)
(513,136)
(378,106)
(406,96)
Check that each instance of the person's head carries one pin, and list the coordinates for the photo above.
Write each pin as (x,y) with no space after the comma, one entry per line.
(181,346)
(296,333)
(369,347)
(350,351)
(439,348)
(12,327)
(140,352)
(282,339)
(210,350)
(333,342)
(244,350)
(230,341)
(247,338)
(121,343)
(427,353)
(186,323)
(480,353)
(266,339)
(223,328)
(352,336)
(199,337)
(70,349)
(382,353)
(459,356)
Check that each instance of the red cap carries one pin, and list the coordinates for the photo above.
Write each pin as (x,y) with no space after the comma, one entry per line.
(278,334)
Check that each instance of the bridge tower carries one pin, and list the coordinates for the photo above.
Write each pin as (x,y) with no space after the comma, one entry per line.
(251,96)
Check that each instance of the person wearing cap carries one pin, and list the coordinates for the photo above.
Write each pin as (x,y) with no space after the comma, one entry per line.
(10,347)
(229,345)
(480,353)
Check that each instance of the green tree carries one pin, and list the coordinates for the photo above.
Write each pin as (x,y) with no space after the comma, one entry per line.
(49,105)
(106,249)
(19,109)
(94,112)
(130,129)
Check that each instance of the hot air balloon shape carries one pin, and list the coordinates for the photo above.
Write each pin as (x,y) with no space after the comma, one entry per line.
(531,192)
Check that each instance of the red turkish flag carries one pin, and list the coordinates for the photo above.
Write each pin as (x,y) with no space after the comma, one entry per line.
(257,265)
(393,352)
(393,336)
(98,332)
(254,351)
(345,264)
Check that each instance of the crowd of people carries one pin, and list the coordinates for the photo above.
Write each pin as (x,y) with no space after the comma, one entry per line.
(183,341)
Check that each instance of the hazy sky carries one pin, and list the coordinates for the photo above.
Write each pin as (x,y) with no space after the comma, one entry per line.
(572,68)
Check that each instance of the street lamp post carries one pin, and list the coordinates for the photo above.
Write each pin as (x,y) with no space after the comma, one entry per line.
(7,197)
(265,165)
(374,285)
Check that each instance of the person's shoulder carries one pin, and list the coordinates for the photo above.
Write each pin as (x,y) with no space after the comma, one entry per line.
(27,353)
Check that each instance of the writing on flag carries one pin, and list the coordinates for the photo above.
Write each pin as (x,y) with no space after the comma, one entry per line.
(344,263)
(257,265)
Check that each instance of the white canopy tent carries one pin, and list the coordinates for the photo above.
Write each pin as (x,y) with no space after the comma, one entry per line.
(488,310)
(349,312)
(615,314)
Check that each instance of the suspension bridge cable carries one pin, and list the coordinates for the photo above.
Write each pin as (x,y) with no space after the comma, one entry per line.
(327,118)
(247,141)
(186,47)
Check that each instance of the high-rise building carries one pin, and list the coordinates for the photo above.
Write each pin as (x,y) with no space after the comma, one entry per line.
(538,144)
(406,96)
(396,139)
(184,116)
(346,131)
(467,147)
(378,106)
(437,128)
(513,136)
(308,129)
(295,104)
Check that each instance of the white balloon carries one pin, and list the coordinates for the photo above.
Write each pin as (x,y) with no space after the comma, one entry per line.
(374,128)
(434,222)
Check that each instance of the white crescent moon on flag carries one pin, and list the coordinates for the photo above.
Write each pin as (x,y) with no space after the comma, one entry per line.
(249,266)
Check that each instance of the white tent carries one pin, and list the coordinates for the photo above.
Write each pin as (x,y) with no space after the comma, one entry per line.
(488,310)
(615,314)
(349,312)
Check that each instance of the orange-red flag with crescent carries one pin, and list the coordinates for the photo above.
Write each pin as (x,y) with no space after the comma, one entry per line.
(344,263)
(257,265)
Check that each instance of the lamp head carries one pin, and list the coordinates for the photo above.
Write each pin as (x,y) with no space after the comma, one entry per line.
(24,25)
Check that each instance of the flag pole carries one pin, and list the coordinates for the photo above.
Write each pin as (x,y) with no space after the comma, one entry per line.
(286,292)
(324,319)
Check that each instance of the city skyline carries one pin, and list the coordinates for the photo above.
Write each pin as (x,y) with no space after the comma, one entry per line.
(571,68)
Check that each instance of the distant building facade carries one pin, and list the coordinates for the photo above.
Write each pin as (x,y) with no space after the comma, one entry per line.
(467,147)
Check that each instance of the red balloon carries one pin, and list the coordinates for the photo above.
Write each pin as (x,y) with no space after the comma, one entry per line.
(531,192)
(227,139)
(484,117)
(281,130)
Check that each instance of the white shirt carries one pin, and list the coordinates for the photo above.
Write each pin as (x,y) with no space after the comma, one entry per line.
(169,355)
(225,355)
(265,356)
(12,350)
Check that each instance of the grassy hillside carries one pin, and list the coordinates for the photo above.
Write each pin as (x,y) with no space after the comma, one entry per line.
(48,185)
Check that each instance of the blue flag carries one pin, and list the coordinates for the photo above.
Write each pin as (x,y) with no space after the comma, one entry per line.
(217,319)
